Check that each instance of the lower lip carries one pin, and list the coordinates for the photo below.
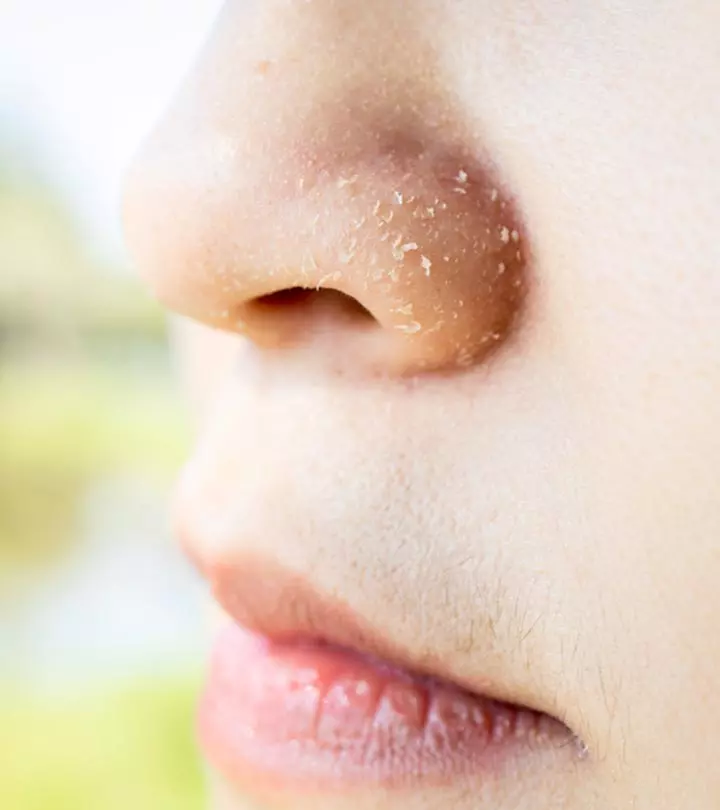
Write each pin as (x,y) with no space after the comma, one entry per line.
(314,717)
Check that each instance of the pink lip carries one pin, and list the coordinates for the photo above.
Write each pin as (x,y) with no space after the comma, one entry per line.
(315,717)
(304,696)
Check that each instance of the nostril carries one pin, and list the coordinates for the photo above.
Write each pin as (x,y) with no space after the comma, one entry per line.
(305,304)
(293,296)
(292,315)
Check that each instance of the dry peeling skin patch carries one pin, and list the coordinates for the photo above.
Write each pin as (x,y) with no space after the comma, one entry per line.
(443,246)
(424,240)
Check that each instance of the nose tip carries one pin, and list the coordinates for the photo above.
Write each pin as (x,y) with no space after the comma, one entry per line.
(353,230)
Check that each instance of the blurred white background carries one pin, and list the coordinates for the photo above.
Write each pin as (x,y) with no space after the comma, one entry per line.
(87,78)
(101,620)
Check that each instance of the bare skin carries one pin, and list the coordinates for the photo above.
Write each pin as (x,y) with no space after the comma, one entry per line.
(493,426)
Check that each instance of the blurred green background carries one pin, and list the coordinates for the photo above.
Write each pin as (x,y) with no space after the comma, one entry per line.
(101,625)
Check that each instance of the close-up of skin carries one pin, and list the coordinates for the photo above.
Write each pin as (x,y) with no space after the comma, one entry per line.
(447,279)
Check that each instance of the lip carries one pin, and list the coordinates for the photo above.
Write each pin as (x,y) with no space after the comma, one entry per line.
(301,697)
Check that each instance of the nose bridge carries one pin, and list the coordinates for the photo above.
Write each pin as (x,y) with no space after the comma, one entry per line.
(318,73)
(320,52)
(315,147)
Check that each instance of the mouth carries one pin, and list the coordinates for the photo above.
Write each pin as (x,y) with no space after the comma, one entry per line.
(301,697)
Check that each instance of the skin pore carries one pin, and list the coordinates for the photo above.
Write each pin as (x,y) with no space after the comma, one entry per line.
(489,424)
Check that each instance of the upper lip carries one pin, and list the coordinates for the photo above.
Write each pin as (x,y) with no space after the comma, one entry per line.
(268,598)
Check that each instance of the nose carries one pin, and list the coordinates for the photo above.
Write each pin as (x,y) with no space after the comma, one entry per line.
(315,188)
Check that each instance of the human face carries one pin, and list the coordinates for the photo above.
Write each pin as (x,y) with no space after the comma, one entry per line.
(450,279)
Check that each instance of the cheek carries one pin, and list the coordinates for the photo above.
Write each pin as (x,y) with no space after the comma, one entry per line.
(625,213)
(638,329)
